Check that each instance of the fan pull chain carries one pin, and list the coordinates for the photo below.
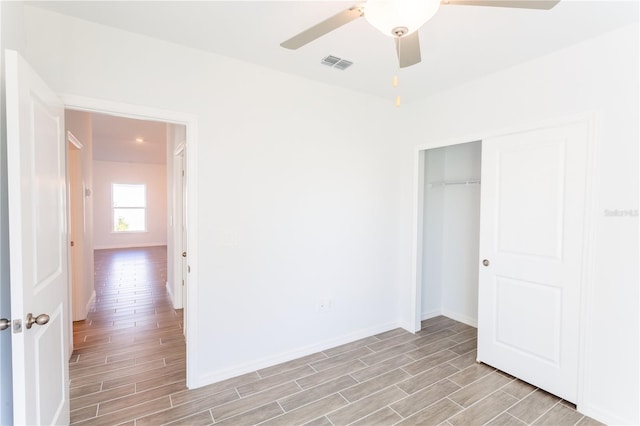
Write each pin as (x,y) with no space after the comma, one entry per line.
(394,82)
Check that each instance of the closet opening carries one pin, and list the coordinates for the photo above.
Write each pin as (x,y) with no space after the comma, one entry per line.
(449,232)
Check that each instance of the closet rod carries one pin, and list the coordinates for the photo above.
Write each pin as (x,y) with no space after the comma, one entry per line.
(461,182)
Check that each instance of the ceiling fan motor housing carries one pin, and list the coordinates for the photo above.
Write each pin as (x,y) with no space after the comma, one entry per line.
(389,16)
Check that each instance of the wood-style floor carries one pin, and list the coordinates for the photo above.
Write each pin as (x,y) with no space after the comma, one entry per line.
(128,367)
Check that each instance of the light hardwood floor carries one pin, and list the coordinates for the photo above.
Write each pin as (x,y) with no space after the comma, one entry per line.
(128,367)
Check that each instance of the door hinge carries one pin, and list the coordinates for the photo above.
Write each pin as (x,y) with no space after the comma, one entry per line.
(72,243)
(183,173)
(183,283)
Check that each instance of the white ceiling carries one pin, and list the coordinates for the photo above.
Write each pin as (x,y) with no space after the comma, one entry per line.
(459,44)
(114,139)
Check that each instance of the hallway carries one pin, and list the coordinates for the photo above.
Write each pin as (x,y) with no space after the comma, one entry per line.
(130,350)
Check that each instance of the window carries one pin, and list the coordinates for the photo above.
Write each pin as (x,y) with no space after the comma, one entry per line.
(129,205)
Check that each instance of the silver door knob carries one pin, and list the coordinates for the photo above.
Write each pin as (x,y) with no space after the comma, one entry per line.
(4,324)
(485,262)
(184,254)
(41,319)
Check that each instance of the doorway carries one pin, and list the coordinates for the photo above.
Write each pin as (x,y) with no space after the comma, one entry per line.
(187,126)
(451,231)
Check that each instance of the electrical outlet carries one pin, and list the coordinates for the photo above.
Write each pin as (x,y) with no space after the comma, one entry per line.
(325,305)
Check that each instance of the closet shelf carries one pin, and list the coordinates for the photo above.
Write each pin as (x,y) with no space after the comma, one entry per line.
(454,182)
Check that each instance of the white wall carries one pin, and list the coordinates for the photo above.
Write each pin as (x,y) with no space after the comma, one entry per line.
(433,227)
(79,123)
(154,176)
(598,76)
(286,216)
(451,231)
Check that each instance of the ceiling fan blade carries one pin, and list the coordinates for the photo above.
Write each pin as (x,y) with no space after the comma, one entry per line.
(324,27)
(522,4)
(408,48)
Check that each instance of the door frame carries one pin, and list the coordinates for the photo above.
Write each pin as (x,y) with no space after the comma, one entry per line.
(190,121)
(74,151)
(593,121)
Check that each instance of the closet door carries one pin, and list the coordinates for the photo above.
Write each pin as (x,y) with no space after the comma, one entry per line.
(531,253)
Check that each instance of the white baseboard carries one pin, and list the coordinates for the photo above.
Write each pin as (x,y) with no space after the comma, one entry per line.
(90,302)
(473,322)
(122,246)
(216,376)
(604,416)
(170,292)
(430,314)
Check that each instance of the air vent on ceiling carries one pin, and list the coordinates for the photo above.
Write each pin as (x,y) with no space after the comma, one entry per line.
(335,62)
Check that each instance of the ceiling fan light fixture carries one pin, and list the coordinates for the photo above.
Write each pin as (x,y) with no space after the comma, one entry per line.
(388,15)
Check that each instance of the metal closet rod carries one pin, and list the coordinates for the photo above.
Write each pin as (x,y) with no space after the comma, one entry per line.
(455,182)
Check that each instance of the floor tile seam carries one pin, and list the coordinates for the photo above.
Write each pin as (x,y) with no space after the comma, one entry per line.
(157,387)
(280,384)
(120,351)
(370,414)
(513,381)
(341,362)
(580,419)
(327,380)
(189,415)
(423,408)
(127,407)
(373,351)
(316,386)
(325,414)
(135,357)
(380,361)
(142,372)
(102,401)
(463,341)
(87,366)
(430,355)
(454,343)
(358,384)
(541,415)
(413,376)
(134,366)
(244,412)
(370,395)
(478,379)
(135,419)
(487,396)
(501,413)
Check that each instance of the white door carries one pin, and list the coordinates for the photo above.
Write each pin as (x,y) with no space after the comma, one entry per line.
(185,265)
(76,228)
(38,239)
(531,250)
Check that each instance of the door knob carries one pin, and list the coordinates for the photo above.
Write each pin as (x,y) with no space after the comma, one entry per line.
(41,319)
(485,262)
(184,254)
(4,324)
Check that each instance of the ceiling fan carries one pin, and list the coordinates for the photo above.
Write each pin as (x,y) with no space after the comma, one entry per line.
(401,20)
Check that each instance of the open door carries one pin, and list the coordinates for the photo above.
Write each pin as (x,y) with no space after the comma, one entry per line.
(183,242)
(38,240)
(532,216)
(76,228)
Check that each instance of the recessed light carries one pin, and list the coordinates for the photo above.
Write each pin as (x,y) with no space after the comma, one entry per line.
(139,140)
